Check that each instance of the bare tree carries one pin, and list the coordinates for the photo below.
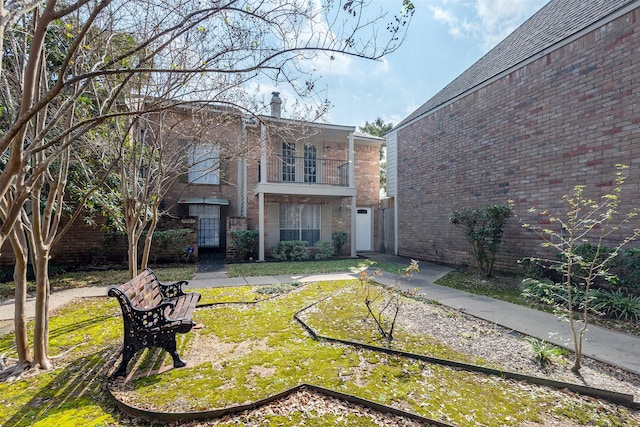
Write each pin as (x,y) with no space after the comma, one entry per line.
(583,220)
(68,70)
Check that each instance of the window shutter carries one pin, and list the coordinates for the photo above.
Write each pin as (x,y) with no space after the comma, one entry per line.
(326,228)
(273,224)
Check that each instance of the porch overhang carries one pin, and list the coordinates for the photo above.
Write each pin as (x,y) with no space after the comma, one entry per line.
(203,201)
(304,189)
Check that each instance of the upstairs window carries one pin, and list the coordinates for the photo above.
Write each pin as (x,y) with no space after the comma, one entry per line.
(288,162)
(310,164)
(204,165)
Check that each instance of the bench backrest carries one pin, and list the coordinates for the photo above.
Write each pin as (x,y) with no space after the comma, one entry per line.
(143,291)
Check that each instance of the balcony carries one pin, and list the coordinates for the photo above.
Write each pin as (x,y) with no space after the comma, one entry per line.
(304,175)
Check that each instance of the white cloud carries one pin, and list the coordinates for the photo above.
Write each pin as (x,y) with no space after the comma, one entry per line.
(498,18)
(490,21)
(449,18)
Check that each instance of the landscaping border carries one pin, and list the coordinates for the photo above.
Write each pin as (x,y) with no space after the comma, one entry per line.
(158,416)
(608,395)
(161,416)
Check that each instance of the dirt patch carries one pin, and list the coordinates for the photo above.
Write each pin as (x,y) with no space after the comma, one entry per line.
(209,348)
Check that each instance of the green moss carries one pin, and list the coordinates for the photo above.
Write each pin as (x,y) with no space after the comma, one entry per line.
(304,267)
(229,294)
(593,415)
(263,350)
(344,316)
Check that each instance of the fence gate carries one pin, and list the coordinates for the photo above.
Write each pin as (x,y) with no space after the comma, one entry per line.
(208,224)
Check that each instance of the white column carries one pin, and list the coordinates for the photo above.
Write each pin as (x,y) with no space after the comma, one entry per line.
(261,226)
(263,153)
(352,167)
(353,227)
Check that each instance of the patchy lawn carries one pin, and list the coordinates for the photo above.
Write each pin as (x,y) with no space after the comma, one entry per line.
(249,351)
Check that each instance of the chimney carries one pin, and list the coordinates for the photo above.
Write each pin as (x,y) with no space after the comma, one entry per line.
(276,104)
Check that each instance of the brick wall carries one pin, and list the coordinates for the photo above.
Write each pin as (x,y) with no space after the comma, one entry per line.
(85,244)
(564,119)
(367,181)
(234,224)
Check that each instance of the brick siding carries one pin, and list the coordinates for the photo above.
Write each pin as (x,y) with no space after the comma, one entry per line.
(565,119)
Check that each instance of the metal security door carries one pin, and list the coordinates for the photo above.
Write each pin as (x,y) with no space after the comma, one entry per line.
(208,224)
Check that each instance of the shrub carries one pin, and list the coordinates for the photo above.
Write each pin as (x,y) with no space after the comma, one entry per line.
(339,238)
(170,245)
(545,352)
(548,292)
(244,242)
(616,305)
(624,269)
(325,249)
(290,250)
(484,229)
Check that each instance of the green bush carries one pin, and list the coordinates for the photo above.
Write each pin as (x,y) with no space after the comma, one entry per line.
(547,292)
(616,305)
(613,304)
(339,238)
(325,249)
(484,229)
(244,242)
(624,269)
(290,250)
(169,245)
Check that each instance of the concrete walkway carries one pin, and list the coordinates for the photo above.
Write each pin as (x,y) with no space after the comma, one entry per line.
(602,344)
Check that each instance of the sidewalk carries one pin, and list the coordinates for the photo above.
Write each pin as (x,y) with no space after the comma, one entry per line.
(608,346)
(602,344)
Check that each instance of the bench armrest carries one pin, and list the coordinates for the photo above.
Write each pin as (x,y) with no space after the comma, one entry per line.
(141,318)
(173,290)
(151,318)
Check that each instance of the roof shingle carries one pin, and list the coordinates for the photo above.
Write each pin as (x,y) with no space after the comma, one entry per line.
(556,21)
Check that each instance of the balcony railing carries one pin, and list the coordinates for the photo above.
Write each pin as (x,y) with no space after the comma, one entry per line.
(306,170)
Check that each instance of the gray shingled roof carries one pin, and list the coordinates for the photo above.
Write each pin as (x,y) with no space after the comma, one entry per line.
(556,21)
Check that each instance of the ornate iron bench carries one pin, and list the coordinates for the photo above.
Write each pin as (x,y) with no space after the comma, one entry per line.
(153,313)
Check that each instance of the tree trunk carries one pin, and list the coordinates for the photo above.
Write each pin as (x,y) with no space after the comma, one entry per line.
(146,251)
(41,330)
(133,254)
(20,249)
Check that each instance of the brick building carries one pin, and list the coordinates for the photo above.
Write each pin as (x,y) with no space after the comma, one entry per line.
(286,179)
(552,106)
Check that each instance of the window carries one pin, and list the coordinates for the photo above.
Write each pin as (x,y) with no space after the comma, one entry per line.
(288,162)
(310,159)
(300,222)
(204,165)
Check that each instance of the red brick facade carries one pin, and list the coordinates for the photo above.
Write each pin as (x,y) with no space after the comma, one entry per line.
(563,119)
(88,244)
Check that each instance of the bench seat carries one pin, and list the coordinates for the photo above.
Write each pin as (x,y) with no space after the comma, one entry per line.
(152,314)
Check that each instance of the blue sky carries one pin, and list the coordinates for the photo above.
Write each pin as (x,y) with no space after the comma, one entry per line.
(444,39)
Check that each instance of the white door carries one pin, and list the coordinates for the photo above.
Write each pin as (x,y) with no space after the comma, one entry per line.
(363,229)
